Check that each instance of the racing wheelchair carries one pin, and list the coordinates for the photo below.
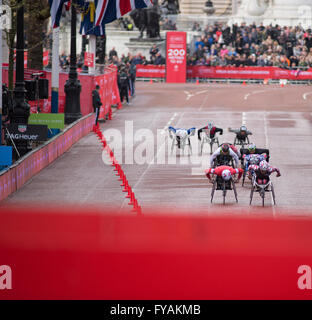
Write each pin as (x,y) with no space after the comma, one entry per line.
(181,142)
(241,142)
(223,160)
(220,184)
(262,189)
(206,139)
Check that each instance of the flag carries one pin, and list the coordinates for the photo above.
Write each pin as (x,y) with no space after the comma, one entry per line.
(87,26)
(56,7)
(110,10)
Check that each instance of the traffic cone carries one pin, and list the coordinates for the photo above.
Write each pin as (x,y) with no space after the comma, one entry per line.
(135,205)
(131,199)
(282,85)
(121,175)
(244,83)
(123,181)
(129,193)
(197,81)
(126,186)
(151,81)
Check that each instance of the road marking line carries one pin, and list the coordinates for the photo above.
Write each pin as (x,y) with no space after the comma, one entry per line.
(244,118)
(266,146)
(305,95)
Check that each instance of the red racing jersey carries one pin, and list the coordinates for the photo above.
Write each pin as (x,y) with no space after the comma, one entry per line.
(218,171)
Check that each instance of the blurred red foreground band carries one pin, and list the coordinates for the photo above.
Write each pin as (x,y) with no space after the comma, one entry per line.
(80,254)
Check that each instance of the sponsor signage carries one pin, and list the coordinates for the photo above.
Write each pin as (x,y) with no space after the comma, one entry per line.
(5,156)
(27,132)
(89,59)
(176,57)
(52,120)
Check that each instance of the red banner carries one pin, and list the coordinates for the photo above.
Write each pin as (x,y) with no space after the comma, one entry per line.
(176,57)
(89,59)
(109,93)
(127,257)
(108,90)
(151,71)
(46,57)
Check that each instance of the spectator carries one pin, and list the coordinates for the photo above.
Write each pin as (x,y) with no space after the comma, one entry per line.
(112,53)
(159,60)
(153,51)
(96,101)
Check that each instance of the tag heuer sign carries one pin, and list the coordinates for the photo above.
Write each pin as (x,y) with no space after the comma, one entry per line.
(22,128)
(27,132)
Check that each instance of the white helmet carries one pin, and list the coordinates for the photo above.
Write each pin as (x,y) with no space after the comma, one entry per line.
(226,175)
(210,125)
(263,165)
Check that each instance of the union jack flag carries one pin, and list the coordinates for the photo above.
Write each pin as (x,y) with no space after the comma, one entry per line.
(56,7)
(110,10)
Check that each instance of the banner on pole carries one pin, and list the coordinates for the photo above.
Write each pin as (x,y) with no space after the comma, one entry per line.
(89,59)
(176,57)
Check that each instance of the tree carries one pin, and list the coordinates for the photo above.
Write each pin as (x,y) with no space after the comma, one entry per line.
(38,11)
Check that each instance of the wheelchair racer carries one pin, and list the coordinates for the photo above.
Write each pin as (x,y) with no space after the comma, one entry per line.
(252,159)
(263,171)
(225,172)
(252,149)
(212,130)
(241,134)
(181,134)
(224,154)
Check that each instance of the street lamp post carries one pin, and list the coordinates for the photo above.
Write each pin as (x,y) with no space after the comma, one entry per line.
(21,108)
(72,87)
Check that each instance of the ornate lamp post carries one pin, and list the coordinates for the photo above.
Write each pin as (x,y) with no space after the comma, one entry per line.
(21,108)
(72,87)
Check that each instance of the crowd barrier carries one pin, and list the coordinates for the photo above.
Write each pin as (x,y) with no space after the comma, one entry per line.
(25,168)
(151,71)
(107,80)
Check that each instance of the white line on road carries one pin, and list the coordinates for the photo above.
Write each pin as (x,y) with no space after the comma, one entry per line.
(267,147)
(253,92)
(244,118)
(305,95)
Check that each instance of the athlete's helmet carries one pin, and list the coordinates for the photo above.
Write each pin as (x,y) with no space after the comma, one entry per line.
(225,148)
(210,125)
(252,148)
(243,129)
(263,165)
(226,175)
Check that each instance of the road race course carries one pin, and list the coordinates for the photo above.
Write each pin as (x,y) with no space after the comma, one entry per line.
(279,117)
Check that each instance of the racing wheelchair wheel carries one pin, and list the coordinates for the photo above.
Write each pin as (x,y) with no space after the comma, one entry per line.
(213,189)
(273,193)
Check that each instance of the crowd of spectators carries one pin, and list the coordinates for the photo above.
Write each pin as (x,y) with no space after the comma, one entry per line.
(251,45)
(155,57)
